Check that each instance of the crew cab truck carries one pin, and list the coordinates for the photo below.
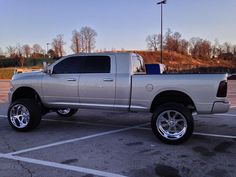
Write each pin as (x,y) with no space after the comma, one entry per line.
(116,81)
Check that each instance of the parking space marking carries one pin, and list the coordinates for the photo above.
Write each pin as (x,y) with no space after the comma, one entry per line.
(61,166)
(198,133)
(84,123)
(140,127)
(214,135)
(3,116)
(76,139)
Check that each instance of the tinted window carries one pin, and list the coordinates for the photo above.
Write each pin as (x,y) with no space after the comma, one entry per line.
(97,64)
(83,64)
(138,65)
(70,65)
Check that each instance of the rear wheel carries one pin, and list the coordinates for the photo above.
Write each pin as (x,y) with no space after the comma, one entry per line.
(172,123)
(24,115)
(66,112)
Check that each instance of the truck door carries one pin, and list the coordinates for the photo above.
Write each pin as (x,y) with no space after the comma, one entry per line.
(97,82)
(61,87)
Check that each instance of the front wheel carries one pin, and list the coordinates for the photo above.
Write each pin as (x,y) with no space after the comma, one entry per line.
(172,123)
(66,112)
(24,115)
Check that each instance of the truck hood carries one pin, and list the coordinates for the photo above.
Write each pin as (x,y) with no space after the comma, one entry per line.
(28,75)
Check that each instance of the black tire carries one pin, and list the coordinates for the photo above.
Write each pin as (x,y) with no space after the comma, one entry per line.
(33,118)
(69,114)
(181,116)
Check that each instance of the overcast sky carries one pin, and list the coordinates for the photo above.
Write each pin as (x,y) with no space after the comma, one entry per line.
(119,23)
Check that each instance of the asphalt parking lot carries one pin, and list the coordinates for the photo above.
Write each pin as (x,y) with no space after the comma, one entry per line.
(103,143)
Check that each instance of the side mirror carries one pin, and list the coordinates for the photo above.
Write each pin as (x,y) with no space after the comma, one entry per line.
(45,69)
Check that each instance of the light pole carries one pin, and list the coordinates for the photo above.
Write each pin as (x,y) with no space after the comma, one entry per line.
(47,46)
(161,3)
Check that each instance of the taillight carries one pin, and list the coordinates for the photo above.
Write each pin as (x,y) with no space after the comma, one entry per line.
(222,89)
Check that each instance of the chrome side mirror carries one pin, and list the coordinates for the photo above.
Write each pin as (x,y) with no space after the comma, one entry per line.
(46,69)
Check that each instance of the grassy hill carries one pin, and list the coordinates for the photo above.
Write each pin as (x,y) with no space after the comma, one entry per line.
(176,62)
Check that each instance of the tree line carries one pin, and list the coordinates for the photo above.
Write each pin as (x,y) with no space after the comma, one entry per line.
(84,41)
(196,47)
(81,41)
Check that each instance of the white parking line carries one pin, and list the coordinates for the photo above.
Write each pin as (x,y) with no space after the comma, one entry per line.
(212,115)
(215,135)
(76,139)
(61,166)
(200,134)
(3,116)
(139,126)
(84,123)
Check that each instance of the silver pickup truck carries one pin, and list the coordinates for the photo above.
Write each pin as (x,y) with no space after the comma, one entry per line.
(116,81)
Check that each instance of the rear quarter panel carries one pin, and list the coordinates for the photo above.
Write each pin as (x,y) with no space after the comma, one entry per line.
(201,88)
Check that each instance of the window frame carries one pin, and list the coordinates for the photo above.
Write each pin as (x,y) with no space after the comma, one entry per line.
(85,58)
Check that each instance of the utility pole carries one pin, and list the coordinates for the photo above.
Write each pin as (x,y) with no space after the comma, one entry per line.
(161,3)
(47,47)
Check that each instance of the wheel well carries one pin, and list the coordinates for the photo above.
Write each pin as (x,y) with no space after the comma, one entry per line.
(174,97)
(25,92)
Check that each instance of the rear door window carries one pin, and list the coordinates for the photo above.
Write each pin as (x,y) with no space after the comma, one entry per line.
(97,64)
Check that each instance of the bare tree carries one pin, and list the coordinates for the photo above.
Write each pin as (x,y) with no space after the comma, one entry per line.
(168,41)
(11,51)
(234,50)
(153,41)
(183,47)
(52,54)
(215,49)
(176,37)
(88,39)
(173,42)
(1,51)
(200,48)
(227,47)
(19,56)
(37,48)
(26,50)
(57,45)
(76,42)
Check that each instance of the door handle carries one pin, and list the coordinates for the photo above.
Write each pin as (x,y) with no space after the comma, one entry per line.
(71,79)
(108,80)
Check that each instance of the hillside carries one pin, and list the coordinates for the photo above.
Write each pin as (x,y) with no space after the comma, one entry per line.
(178,62)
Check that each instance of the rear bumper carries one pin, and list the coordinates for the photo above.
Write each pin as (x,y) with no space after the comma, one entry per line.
(220,107)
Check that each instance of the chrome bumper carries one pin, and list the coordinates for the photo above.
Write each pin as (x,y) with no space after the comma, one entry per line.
(220,107)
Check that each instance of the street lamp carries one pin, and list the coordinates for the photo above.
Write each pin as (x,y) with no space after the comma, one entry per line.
(161,3)
(47,47)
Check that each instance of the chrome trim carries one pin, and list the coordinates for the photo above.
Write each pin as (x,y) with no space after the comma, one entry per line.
(90,105)
(108,80)
(71,79)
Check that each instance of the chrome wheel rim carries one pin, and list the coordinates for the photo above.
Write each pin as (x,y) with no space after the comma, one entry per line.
(19,116)
(64,111)
(171,124)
